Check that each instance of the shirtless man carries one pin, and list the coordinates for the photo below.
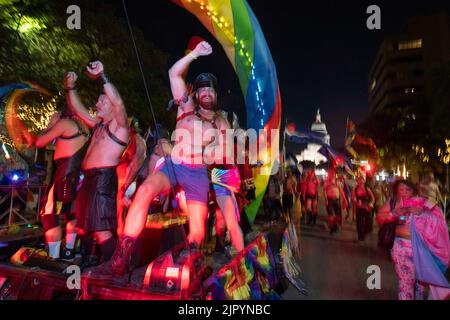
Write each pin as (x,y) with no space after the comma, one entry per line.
(96,207)
(185,167)
(58,202)
(334,201)
(310,196)
(342,181)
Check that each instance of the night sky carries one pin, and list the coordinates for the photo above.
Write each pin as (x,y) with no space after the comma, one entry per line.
(322,50)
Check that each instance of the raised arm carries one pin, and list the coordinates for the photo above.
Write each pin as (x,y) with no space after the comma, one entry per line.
(56,129)
(74,102)
(95,71)
(179,69)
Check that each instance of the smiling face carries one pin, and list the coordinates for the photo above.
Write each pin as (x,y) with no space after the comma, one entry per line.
(104,107)
(206,97)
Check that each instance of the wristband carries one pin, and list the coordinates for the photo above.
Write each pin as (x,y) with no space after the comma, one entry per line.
(103,78)
(193,55)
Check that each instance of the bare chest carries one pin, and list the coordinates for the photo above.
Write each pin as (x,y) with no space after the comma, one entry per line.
(192,128)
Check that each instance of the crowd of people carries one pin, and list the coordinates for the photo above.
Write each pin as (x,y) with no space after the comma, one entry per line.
(400,204)
(109,153)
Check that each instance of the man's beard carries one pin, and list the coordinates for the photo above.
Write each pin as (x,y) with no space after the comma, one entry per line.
(208,105)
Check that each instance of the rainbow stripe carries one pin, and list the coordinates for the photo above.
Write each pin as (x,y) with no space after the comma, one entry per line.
(234,25)
(13,94)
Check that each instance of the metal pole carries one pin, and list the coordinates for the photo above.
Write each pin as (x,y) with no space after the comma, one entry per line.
(11,206)
(38,204)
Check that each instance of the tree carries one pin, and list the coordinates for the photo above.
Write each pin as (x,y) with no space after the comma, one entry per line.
(414,134)
(36,45)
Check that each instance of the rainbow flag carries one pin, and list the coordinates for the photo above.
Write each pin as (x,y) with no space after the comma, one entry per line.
(234,25)
(10,96)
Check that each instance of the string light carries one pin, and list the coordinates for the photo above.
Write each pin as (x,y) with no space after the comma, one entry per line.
(221,22)
(37,116)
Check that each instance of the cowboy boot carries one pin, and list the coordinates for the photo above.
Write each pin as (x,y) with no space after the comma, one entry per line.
(118,266)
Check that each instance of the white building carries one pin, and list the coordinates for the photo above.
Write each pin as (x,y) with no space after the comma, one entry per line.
(311,152)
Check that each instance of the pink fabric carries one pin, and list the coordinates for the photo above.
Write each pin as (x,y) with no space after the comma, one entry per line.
(402,256)
(439,293)
(432,228)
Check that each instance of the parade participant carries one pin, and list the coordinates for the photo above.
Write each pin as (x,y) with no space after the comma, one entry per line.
(161,148)
(380,195)
(302,186)
(310,196)
(248,188)
(228,208)
(127,170)
(429,189)
(363,202)
(96,205)
(430,224)
(335,200)
(273,207)
(289,193)
(342,181)
(58,202)
(184,168)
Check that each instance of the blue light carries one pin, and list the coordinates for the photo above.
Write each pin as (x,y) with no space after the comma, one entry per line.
(15,177)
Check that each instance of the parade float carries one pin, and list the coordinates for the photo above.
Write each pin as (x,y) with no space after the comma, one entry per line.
(269,261)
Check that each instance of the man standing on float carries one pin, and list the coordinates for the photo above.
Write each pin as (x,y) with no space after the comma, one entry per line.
(185,167)
(95,207)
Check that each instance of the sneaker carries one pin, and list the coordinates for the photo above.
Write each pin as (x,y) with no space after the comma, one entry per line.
(68,254)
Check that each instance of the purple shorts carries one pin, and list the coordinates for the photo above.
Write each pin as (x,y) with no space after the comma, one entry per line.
(193,179)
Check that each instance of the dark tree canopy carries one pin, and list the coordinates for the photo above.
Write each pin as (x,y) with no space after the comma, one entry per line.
(36,45)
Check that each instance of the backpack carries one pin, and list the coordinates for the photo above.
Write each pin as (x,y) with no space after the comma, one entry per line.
(386,234)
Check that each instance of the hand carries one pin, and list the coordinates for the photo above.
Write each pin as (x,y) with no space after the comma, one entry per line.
(94,69)
(202,49)
(70,80)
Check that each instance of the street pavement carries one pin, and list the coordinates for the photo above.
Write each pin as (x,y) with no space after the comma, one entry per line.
(335,266)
